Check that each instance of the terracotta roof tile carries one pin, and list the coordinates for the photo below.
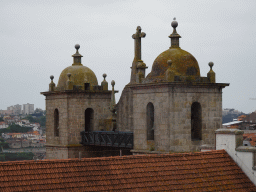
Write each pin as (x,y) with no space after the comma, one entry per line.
(251,137)
(205,171)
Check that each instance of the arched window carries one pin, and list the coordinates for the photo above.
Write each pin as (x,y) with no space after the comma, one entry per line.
(56,122)
(88,120)
(150,121)
(196,121)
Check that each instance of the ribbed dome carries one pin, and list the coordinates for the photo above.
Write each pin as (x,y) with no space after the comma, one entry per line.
(183,63)
(79,75)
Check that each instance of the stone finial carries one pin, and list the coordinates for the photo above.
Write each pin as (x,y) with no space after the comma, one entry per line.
(174,36)
(113,101)
(113,83)
(77,46)
(169,62)
(169,74)
(211,64)
(112,106)
(174,23)
(211,73)
(52,84)
(77,56)
(69,84)
(141,67)
(104,83)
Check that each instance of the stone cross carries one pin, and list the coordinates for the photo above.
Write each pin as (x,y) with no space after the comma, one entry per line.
(137,37)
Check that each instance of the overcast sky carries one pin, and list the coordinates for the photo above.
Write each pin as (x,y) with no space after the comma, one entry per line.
(37,40)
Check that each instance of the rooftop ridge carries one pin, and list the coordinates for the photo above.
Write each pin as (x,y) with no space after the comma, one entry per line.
(114,157)
(183,167)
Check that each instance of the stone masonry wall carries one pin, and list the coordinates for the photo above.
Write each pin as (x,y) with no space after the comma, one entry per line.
(125,111)
(71,108)
(172,108)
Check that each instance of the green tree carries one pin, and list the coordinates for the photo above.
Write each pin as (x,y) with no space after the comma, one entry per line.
(18,129)
(42,120)
(1,119)
(18,156)
(3,144)
(13,128)
(30,118)
(2,157)
(39,119)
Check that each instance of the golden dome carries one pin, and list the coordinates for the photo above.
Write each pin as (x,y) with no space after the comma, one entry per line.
(183,63)
(79,74)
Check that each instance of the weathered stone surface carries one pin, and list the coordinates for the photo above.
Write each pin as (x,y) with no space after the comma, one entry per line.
(172,109)
(72,108)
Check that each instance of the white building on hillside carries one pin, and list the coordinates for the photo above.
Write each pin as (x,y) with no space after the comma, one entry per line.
(28,108)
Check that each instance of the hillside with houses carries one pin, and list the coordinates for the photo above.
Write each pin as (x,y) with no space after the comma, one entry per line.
(22,135)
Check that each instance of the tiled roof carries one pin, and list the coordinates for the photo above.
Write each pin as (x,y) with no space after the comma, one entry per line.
(251,137)
(204,171)
(250,117)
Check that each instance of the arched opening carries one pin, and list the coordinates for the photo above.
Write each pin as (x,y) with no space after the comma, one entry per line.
(196,121)
(56,122)
(88,120)
(150,121)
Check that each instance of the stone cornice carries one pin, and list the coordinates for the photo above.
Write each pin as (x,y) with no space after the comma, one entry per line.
(177,84)
(229,131)
(64,146)
(69,92)
(246,149)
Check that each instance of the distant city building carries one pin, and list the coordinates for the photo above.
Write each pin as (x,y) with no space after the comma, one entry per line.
(249,122)
(3,125)
(28,108)
(232,125)
(243,122)
(6,112)
(17,109)
(230,111)
(10,108)
(14,110)
(230,115)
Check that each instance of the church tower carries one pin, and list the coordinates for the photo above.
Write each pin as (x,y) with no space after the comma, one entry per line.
(76,104)
(173,108)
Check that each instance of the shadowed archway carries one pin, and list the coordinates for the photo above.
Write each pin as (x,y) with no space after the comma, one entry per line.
(56,122)
(88,119)
(150,121)
(196,121)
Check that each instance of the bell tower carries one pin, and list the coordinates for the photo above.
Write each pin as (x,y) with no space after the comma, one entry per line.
(174,108)
(76,104)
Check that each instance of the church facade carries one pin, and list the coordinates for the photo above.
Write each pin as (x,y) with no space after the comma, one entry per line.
(172,109)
